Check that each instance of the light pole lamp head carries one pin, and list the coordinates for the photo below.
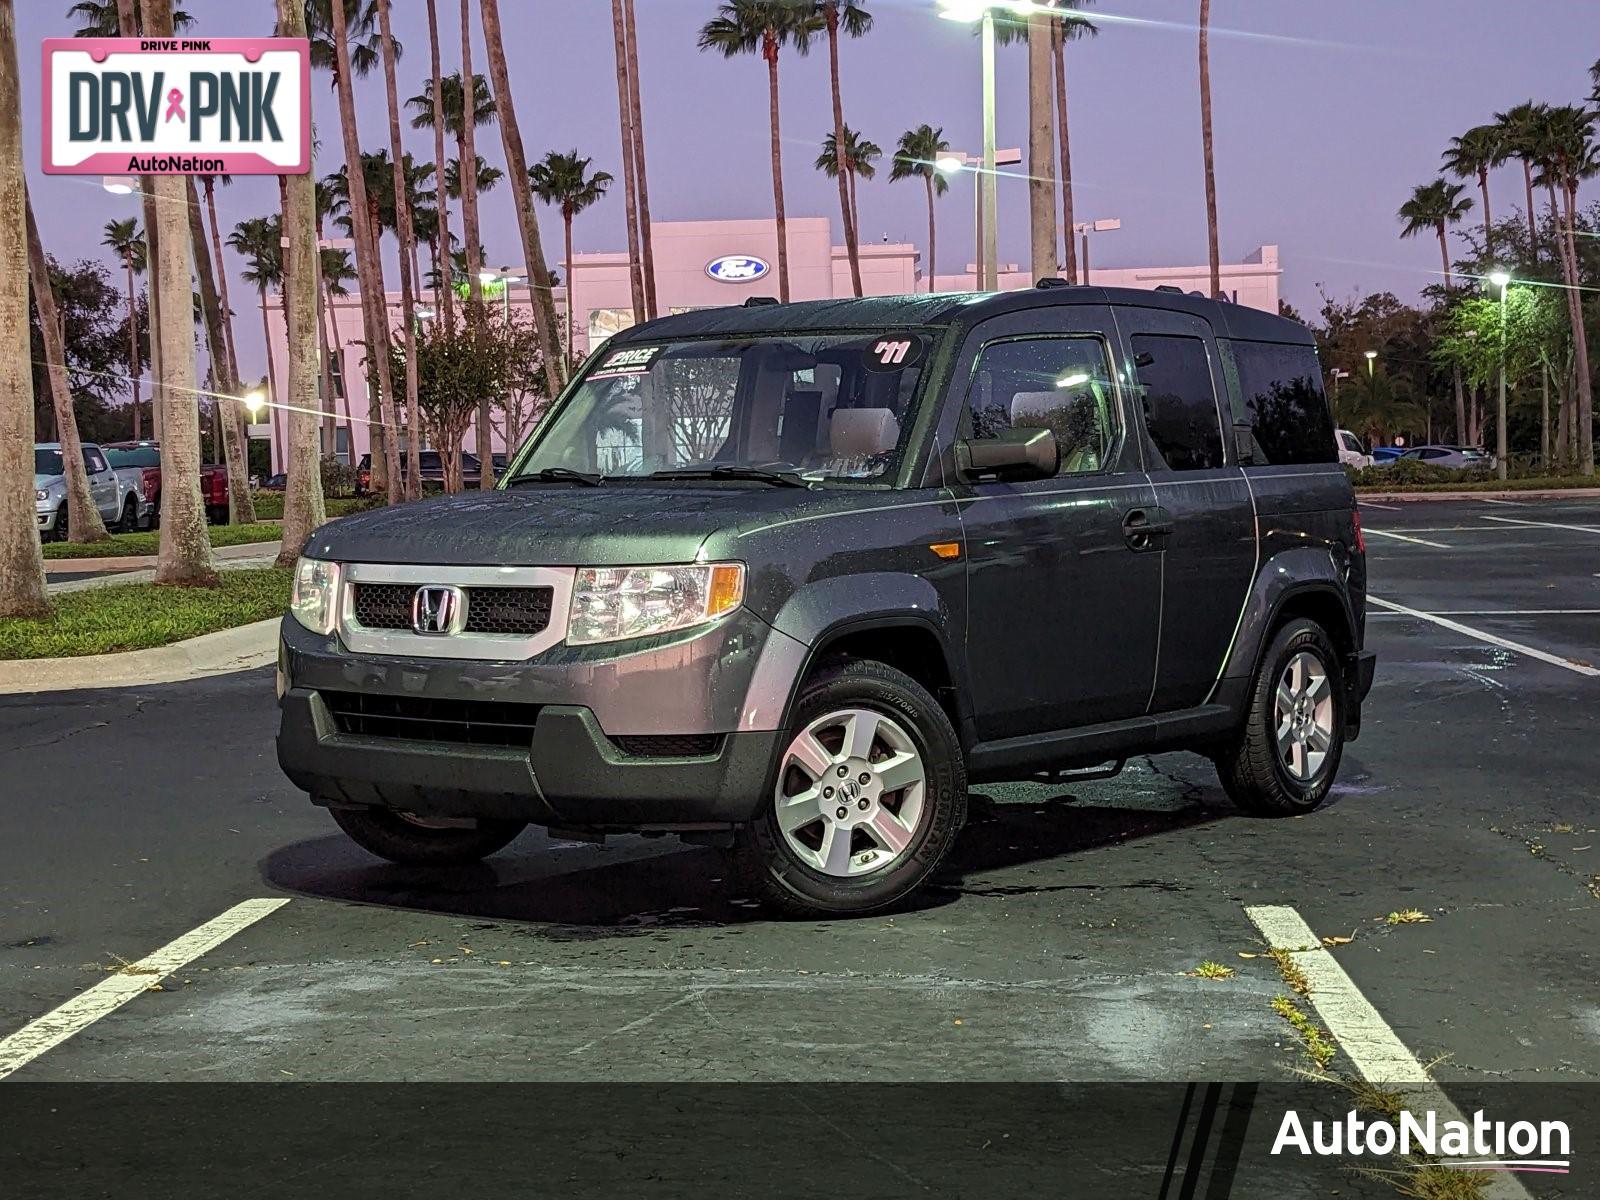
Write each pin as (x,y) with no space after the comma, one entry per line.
(949,164)
(254,402)
(1370,355)
(1499,278)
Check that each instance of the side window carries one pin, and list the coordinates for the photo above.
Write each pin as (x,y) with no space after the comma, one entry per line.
(1057,383)
(1180,405)
(92,462)
(1281,386)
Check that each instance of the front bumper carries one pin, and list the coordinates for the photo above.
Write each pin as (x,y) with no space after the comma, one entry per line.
(45,518)
(573,771)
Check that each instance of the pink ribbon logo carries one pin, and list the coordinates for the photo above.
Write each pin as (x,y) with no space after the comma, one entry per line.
(175,106)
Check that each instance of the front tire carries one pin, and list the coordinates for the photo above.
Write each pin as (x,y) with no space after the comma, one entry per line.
(869,796)
(130,517)
(415,842)
(1285,758)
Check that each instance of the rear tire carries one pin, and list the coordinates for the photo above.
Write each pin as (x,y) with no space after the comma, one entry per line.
(129,522)
(1286,756)
(827,844)
(402,839)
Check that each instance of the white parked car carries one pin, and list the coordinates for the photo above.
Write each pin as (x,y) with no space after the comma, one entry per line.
(118,492)
(1351,452)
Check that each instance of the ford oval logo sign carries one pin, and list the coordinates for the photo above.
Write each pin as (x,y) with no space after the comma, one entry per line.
(737,268)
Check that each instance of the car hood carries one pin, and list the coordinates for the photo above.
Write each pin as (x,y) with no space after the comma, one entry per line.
(44,481)
(618,524)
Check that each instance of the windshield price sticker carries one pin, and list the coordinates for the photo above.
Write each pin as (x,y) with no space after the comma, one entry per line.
(894,352)
(627,362)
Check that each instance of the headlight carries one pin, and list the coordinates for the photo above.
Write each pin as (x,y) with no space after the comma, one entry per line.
(41,494)
(610,603)
(315,598)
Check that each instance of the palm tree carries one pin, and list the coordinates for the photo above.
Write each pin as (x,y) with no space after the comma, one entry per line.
(859,156)
(630,161)
(1433,208)
(1469,157)
(764,27)
(443,296)
(99,19)
(539,281)
(565,180)
(124,239)
(636,116)
(401,186)
(259,241)
(469,221)
(22,589)
(84,523)
(1205,141)
(361,36)
(337,272)
(208,184)
(1518,129)
(184,556)
(914,156)
(488,177)
(303,508)
(1570,156)
(369,263)
(852,18)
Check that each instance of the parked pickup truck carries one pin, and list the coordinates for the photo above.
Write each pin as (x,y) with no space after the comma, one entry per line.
(146,456)
(118,492)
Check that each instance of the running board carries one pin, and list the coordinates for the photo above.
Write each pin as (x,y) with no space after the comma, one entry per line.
(1021,758)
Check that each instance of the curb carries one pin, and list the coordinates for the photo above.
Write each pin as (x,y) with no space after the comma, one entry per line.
(1501,494)
(142,562)
(220,653)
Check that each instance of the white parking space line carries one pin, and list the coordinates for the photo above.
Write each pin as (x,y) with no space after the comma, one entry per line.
(1400,537)
(1502,612)
(111,993)
(1543,524)
(1387,507)
(1508,503)
(1554,660)
(1365,1037)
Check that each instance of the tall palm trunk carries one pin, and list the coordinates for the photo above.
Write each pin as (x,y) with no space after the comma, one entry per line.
(22,589)
(1584,411)
(1041,149)
(630,183)
(303,508)
(1488,221)
(272,366)
(1058,45)
(444,295)
(847,202)
(932,245)
(369,272)
(769,51)
(542,293)
(1463,428)
(1205,139)
(408,256)
(469,215)
(185,554)
(636,116)
(566,220)
(209,184)
(231,447)
(1533,224)
(133,345)
(83,518)
(128,27)
(331,336)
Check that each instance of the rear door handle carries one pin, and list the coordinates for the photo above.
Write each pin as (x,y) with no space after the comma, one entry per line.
(1142,527)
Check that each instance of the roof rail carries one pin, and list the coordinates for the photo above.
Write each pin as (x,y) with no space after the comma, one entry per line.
(759,301)
(1052,281)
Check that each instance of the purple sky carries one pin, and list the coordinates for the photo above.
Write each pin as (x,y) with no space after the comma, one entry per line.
(1326,116)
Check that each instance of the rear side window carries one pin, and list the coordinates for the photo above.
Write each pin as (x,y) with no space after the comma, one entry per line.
(1180,405)
(1281,387)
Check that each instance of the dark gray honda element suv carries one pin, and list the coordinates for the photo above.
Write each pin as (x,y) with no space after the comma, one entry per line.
(790,577)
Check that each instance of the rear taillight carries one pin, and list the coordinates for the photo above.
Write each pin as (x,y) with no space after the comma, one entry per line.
(1361,541)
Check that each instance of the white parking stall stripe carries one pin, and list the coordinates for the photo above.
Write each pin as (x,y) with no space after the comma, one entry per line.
(1374,504)
(1543,524)
(1400,537)
(1503,612)
(1554,660)
(1508,503)
(111,993)
(1368,1042)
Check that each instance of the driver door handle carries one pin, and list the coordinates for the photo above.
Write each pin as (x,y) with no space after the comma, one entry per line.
(1143,528)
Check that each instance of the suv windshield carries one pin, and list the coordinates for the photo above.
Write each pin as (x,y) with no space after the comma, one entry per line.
(825,408)
(46,462)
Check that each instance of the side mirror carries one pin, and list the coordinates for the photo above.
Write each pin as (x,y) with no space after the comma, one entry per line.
(1014,454)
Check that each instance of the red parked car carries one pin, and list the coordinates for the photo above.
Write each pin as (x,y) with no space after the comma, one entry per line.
(147,455)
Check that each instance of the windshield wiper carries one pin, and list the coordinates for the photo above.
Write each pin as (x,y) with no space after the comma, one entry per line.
(560,474)
(735,471)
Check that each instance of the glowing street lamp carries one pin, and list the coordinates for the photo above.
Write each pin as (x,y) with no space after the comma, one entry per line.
(984,217)
(254,402)
(119,185)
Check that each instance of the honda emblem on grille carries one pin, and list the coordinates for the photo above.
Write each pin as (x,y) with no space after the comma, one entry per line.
(436,611)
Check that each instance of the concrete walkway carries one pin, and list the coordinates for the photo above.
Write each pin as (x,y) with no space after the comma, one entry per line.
(218,653)
(229,558)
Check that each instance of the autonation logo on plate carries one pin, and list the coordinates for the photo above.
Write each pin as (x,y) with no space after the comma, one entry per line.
(177,106)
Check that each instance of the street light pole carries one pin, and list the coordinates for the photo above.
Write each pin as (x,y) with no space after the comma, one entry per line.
(1501,280)
(991,240)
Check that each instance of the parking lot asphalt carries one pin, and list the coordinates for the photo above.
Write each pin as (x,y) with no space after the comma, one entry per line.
(1057,945)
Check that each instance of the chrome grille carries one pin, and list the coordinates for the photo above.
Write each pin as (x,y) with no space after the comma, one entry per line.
(505,611)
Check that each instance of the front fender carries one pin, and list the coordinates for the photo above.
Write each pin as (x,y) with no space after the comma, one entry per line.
(819,611)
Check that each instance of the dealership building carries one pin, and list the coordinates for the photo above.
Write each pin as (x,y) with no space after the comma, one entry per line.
(713,264)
